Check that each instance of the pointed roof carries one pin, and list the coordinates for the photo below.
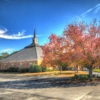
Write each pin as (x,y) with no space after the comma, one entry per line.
(30,52)
(34,37)
(34,33)
(34,41)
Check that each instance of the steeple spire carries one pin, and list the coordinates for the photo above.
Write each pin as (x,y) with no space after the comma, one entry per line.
(35,40)
(34,33)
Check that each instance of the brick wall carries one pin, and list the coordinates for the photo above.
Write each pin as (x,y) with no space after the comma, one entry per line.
(21,64)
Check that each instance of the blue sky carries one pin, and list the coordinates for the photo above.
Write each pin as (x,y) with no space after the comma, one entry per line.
(18,18)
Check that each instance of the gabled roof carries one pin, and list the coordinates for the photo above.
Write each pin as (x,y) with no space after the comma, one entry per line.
(29,53)
(26,54)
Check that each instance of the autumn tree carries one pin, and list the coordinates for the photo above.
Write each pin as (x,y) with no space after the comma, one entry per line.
(84,42)
(79,45)
(52,52)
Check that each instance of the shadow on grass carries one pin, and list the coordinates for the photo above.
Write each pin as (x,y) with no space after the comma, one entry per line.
(43,83)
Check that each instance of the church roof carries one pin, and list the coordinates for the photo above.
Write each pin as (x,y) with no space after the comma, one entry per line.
(29,53)
(32,53)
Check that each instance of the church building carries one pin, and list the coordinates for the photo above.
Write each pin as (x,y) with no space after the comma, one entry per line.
(25,57)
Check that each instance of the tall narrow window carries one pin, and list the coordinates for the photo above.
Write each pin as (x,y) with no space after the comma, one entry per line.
(12,65)
(5,66)
(20,66)
(30,64)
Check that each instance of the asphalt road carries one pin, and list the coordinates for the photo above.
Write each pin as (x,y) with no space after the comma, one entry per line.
(95,73)
(13,87)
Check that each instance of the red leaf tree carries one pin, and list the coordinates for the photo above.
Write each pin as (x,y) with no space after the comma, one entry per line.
(79,44)
(85,44)
(53,52)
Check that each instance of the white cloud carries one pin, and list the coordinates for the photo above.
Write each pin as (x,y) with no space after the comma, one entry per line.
(86,12)
(3,31)
(97,7)
(19,35)
(89,10)
(8,50)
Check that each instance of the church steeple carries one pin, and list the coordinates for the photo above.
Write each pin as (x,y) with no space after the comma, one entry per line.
(34,33)
(35,40)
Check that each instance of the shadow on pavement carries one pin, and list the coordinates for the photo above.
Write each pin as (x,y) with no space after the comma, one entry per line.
(43,83)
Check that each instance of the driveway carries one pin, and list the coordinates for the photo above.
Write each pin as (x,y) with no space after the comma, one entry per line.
(95,73)
(14,87)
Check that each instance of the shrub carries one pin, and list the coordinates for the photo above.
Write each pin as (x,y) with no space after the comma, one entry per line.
(13,69)
(38,68)
(77,77)
(35,68)
(3,70)
(24,70)
(73,79)
(94,75)
(31,68)
(82,78)
(91,79)
(44,69)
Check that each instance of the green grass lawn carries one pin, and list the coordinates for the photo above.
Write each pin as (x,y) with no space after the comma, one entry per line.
(96,70)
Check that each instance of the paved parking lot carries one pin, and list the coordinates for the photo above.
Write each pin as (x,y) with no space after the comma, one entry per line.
(14,87)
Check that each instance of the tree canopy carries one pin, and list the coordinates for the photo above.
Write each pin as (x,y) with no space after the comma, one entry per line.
(79,44)
(3,55)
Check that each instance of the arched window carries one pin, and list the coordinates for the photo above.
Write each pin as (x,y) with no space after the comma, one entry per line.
(4,66)
(20,66)
(30,64)
(12,65)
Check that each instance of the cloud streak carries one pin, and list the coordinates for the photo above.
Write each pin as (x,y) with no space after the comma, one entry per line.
(8,50)
(19,35)
(3,31)
(97,7)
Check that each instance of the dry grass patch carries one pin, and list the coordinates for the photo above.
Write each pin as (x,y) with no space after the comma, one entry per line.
(54,73)
(70,73)
(37,74)
(81,72)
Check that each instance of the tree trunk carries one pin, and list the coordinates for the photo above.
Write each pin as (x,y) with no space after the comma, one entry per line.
(76,69)
(82,68)
(90,71)
(60,69)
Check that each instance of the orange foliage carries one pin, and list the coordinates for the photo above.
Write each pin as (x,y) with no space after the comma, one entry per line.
(80,43)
